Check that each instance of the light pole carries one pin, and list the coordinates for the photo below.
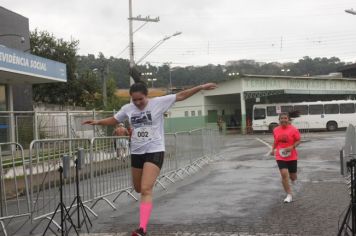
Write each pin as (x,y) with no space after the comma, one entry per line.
(232,74)
(156,45)
(285,71)
(103,74)
(350,11)
(152,80)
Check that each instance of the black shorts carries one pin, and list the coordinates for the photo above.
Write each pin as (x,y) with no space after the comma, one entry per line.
(290,165)
(138,160)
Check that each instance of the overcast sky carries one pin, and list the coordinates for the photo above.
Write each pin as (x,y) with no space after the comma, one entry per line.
(214,31)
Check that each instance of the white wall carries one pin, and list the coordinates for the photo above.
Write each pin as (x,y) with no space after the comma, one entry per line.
(194,103)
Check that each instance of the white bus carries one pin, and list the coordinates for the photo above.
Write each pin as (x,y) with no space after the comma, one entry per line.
(329,115)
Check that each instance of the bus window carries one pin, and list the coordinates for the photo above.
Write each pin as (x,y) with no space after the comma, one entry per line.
(302,109)
(331,108)
(286,108)
(316,109)
(347,108)
(271,111)
(259,114)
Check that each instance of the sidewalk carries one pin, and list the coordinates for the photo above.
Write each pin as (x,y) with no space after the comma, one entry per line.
(241,195)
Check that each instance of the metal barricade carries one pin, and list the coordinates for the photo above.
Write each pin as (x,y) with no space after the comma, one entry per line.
(212,143)
(14,191)
(183,152)
(349,149)
(170,164)
(45,159)
(111,168)
(199,154)
(304,130)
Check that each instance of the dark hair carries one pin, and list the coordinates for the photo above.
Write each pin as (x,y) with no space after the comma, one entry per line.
(139,87)
(291,115)
(135,74)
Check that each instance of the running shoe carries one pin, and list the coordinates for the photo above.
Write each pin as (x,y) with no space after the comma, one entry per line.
(288,199)
(139,232)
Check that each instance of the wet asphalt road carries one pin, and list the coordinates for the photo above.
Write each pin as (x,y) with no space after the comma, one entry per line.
(240,194)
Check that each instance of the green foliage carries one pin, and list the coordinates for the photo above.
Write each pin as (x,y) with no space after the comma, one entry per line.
(44,44)
(83,87)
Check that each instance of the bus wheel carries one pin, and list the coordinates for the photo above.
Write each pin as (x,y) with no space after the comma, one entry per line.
(331,126)
(272,127)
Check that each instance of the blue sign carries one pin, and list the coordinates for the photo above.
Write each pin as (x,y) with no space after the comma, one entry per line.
(27,64)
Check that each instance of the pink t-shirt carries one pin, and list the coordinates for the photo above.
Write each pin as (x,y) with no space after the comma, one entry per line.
(285,137)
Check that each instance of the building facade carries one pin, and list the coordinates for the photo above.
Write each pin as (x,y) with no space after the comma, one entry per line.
(233,100)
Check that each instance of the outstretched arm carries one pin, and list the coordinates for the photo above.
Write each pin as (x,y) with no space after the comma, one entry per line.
(190,92)
(106,121)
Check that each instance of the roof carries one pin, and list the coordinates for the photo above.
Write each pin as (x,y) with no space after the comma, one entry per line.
(348,71)
(320,77)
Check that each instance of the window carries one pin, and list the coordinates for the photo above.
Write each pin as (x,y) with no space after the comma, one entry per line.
(316,109)
(286,108)
(331,108)
(186,113)
(199,113)
(259,114)
(302,109)
(271,111)
(192,113)
(347,108)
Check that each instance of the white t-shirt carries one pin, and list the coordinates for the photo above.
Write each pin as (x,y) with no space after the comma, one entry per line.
(147,124)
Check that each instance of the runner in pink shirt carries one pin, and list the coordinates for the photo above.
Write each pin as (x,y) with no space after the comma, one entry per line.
(286,139)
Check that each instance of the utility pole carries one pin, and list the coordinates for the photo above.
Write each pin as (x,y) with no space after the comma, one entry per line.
(131,44)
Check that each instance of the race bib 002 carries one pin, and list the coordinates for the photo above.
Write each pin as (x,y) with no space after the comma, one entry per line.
(142,134)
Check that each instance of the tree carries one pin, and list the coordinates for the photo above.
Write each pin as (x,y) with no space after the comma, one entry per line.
(78,89)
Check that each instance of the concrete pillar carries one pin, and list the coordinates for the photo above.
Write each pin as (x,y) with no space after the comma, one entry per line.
(10,99)
(243,113)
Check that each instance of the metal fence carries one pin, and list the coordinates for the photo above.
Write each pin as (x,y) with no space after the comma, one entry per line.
(25,126)
(14,195)
(104,175)
(348,151)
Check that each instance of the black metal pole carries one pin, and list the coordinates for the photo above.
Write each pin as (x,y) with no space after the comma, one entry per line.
(342,162)
(353,196)
(1,190)
(77,184)
(61,198)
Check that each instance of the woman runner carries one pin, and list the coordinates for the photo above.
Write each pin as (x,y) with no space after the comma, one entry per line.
(146,117)
(286,139)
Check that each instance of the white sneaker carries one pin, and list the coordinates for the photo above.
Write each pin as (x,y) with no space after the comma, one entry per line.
(288,199)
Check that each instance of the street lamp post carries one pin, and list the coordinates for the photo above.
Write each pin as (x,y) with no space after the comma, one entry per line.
(156,45)
(350,11)
(285,71)
(232,74)
(103,74)
(152,80)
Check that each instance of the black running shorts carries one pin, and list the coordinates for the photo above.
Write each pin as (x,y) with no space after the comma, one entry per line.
(138,160)
(290,165)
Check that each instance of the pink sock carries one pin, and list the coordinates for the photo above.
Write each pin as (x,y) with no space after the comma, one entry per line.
(145,212)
